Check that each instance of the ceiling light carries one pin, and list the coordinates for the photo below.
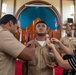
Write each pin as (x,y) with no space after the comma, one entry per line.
(34,5)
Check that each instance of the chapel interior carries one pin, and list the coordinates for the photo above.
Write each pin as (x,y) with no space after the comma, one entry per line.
(57,14)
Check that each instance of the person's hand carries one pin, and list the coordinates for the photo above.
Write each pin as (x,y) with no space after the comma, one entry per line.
(50,45)
(30,44)
(52,65)
(30,50)
(54,40)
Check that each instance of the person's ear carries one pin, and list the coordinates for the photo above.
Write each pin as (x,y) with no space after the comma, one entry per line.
(10,23)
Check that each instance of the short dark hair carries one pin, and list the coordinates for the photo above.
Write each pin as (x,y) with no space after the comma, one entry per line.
(40,22)
(6,18)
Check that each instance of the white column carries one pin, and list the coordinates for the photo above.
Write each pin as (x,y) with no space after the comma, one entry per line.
(75,11)
(0,7)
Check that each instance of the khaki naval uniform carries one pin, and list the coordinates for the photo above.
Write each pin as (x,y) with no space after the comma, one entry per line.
(43,56)
(10,48)
(69,42)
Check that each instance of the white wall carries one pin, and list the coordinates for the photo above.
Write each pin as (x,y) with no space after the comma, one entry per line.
(19,3)
(75,11)
(10,4)
(66,10)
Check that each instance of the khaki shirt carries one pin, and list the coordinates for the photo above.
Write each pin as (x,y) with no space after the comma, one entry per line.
(10,48)
(43,56)
(69,42)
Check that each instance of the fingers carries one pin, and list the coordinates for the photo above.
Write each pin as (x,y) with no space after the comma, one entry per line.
(32,44)
(54,40)
(28,44)
(50,66)
(53,64)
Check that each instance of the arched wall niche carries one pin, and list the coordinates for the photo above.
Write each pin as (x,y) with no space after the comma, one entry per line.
(53,9)
(28,19)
